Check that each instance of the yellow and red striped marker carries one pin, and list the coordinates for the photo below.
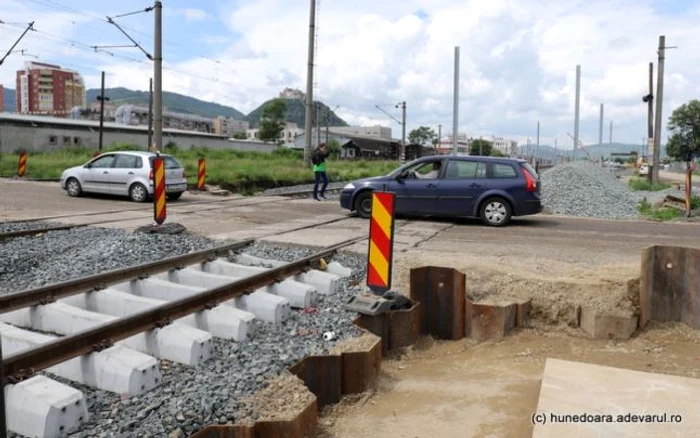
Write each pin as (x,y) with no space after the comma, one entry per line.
(381,242)
(159,212)
(22,166)
(201,174)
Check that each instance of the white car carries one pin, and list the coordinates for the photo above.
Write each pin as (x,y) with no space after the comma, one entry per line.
(126,173)
(644,169)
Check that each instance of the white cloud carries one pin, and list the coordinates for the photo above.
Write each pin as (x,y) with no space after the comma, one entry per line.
(194,14)
(518,60)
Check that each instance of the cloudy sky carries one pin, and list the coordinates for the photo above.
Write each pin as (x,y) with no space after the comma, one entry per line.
(518,57)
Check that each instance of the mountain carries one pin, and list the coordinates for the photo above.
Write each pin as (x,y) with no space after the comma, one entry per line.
(296,113)
(173,101)
(10,97)
(594,150)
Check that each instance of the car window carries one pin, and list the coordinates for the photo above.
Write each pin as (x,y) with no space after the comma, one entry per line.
(103,162)
(170,162)
(503,171)
(124,161)
(530,169)
(460,169)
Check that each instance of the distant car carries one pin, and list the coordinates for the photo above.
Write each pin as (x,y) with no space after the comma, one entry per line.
(493,189)
(644,170)
(126,173)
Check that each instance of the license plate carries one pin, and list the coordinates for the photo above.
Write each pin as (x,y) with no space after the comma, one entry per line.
(175,187)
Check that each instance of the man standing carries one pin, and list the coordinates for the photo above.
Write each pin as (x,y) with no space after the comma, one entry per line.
(319,161)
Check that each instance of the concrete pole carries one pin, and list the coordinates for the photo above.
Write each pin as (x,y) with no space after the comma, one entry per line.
(158,78)
(403,132)
(578,103)
(537,148)
(439,135)
(102,109)
(659,103)
(600,128)
(455,109)
(150,113)
(611,132)
(308,148)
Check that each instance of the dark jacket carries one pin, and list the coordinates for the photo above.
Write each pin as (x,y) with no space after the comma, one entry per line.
(319,157)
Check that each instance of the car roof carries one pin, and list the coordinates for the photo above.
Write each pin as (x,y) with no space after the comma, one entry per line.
(471,157)
(137,153)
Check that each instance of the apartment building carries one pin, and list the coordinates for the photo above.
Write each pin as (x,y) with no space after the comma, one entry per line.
(505,146)
(228,126)
(49,89)
(369,131)
(290,132)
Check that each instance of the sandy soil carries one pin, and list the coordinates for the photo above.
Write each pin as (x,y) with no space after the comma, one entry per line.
(467,389)
(556,288)
(283,399)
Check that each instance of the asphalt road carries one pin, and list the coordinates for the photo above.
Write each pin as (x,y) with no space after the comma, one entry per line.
(562,238)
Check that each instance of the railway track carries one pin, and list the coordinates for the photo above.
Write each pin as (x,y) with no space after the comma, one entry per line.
(115,327)
(111,331)
(179,209)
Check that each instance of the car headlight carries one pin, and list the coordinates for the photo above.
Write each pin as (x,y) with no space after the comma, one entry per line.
(349,186)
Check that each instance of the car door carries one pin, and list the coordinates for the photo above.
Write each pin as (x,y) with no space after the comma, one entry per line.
(123,172)
(417,194)
(462,184)
(96,176)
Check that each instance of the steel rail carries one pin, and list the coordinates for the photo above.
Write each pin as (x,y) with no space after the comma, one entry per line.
(52,292)
(24,364)
(20,233)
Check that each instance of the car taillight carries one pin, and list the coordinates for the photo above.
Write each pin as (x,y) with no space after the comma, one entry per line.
(150,175)
(530,183)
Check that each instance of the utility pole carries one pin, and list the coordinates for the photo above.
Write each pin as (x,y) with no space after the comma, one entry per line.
(611,132)
(308,149)
(537,148)
(556,151)
(578,103)
(659,103)
(649,99)
(318,122)
(439,135)
(157,77)
(403,132)
(600,133)
(102,99)
(455,109)
(150,113)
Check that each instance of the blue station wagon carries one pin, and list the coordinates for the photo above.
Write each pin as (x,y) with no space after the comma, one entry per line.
(490,188)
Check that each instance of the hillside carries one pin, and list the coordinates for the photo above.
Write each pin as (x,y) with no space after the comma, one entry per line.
(173,101)
(296,113)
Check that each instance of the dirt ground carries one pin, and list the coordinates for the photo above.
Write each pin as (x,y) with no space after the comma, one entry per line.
(490,389)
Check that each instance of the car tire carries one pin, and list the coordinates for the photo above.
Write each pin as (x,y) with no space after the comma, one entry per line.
(73,187)
(138,193)
(496,212)
(174,196)
(363,204)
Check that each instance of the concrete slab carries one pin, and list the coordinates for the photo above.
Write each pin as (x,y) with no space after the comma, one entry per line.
(264,306)
(579,400)
(608,324)
(174,342)
(313,237)
(41,407)
(117,369)
(221,321)
(324,282)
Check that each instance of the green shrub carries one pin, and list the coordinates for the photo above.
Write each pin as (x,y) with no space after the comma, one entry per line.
(639,184)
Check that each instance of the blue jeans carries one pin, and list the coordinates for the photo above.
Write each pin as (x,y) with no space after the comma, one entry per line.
(318,176)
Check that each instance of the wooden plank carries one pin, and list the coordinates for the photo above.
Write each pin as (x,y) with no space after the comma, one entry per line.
(602,393)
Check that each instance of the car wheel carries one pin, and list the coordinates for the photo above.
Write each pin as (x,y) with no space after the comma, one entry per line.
(138,193)
(73,187)
(174,196)
(496,212)
(363,204)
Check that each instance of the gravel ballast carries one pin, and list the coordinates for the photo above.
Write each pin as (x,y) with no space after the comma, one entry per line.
(586,190)
(11,227)
(189,397)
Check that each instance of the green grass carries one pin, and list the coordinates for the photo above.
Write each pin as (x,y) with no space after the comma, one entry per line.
(241,172)
(640,184)
(660,214)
